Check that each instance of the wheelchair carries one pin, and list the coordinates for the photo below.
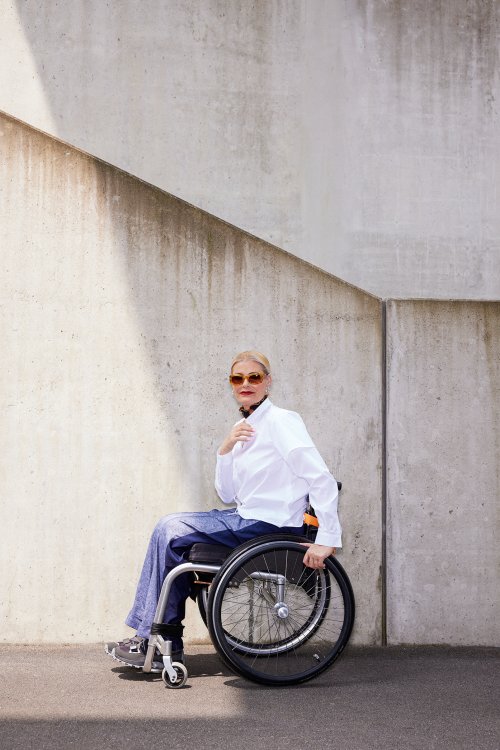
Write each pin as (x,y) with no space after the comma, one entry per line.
(271,619)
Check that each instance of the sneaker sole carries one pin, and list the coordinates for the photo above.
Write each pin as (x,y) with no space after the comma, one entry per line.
(155,670)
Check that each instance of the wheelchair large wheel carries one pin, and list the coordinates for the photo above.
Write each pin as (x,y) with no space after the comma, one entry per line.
(275,621)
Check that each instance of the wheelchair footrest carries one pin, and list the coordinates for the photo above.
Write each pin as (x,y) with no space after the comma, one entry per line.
(209,553)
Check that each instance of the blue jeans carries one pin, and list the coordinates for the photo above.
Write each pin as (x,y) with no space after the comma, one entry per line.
(170,543)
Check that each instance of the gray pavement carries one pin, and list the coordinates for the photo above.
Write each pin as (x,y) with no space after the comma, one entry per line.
(77,697)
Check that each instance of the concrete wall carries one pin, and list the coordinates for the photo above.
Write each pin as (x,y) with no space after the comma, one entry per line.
(363,136)
(443,552)
(121,309)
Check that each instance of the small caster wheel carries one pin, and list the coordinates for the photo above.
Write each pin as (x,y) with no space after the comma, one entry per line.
(181,675)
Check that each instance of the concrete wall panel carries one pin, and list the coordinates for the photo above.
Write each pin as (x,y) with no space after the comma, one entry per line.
(362,136)
(121,309)
(443,555)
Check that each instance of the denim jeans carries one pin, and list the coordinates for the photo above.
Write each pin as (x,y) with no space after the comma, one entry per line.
(171,540)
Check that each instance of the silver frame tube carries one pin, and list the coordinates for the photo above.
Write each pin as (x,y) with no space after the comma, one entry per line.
(162,605)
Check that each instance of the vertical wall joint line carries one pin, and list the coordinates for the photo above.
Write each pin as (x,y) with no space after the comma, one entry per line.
(383,571)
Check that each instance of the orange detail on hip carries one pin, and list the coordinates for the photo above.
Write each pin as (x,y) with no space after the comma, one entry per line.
(310,520)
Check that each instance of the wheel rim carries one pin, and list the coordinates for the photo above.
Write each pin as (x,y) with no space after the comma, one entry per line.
(250,634)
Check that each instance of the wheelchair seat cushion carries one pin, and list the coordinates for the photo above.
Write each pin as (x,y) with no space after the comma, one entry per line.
(213,554)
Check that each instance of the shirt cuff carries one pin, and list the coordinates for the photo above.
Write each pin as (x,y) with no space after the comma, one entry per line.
(225,459)
(328,538)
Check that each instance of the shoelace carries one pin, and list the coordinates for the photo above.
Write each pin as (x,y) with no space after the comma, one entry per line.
(134,643)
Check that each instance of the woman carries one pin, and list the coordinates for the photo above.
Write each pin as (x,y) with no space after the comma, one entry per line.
(266,465)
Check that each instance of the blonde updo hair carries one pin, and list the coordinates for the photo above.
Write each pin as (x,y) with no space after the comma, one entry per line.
(255,357)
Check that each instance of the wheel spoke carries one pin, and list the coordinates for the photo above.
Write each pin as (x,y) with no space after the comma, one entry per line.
(288,622)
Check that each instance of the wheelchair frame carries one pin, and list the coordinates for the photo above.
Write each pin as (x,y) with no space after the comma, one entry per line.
(241,655)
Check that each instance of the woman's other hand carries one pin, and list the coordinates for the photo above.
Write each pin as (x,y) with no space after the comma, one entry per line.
(316,554)
(241,432)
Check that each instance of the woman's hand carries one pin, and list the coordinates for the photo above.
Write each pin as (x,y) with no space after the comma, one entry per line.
(240,433)
(316,554)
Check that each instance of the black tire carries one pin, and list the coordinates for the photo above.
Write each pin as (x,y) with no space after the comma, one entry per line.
(273,620)
(181,675)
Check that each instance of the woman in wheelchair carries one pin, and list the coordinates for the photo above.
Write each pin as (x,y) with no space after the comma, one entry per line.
(267,466)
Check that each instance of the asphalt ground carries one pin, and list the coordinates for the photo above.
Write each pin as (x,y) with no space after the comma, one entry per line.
(77,697)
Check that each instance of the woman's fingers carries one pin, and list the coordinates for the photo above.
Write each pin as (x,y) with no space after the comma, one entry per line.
(316,554)
(313,561)
(242,431)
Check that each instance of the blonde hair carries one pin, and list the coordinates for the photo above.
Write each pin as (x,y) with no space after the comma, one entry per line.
(255,357)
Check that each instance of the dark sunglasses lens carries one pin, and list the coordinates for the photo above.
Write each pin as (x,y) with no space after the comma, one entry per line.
(253,378)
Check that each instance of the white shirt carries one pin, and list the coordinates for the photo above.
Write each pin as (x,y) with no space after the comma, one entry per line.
(270,476)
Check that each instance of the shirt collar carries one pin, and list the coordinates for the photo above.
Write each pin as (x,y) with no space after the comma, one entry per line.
(257,415)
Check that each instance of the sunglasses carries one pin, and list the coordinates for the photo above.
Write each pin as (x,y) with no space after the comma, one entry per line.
(254,378)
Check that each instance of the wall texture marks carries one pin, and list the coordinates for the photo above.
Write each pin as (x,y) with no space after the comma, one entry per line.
(121,310)
(443,442)
(362,136)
